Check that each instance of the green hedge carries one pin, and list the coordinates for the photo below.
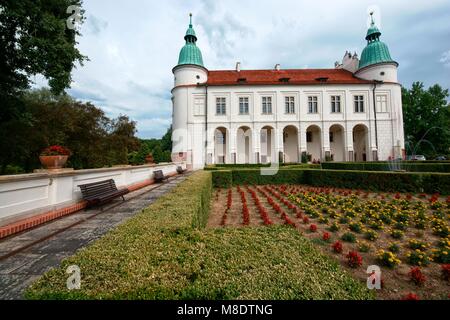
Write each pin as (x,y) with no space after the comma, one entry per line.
(386,166)
(222,178)
(370,180)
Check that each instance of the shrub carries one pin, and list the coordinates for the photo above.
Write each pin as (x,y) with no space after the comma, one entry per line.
(441,253)
(371,235)
(254,177)
(417,276)
(388,259)
(385,166)
(397,234)
(334,227)
(354,260)
(326,236)
(445,271)
(416,244)
(313,228)
(394,247)
(411,297)
(355,227)
(349,237)
(337,247)
(364,246)
(418,258)
(222,179)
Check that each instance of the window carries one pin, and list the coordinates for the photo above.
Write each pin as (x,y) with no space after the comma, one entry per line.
(221,106)
(290,104)
(335,104)
(309,136)
(267,105)
(382,103)
(220,137)
(312,105)
(359,103)
(243,105)
(199,107)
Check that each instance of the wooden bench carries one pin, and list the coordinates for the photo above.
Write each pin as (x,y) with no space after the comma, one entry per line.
(98,193)
(180,170)
(159,176)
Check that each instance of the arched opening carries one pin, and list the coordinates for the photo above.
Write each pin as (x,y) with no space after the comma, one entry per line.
(337,143)
(220,145)
(290,144)
(314,142)
(267,144)
(360,143)
(244,145)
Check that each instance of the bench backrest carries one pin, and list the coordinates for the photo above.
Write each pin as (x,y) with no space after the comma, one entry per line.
(96,188)
(158,174)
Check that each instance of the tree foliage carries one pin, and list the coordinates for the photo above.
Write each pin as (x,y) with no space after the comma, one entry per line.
(426,114)
(94,139)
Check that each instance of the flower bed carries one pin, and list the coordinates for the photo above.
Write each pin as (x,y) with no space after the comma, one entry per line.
(396,231)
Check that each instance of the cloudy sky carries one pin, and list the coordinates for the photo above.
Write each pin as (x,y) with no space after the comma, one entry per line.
(133,45)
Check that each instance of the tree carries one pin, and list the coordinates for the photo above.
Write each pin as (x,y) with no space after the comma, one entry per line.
(426,120)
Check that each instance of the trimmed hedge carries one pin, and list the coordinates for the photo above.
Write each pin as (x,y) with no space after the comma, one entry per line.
(386,166)
(352,179)
(255,176)
(222,178)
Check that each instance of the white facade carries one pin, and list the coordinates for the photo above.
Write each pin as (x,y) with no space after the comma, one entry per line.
(322,122)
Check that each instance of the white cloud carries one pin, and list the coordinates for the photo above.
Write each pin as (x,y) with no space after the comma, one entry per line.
(134,46)
(445,59)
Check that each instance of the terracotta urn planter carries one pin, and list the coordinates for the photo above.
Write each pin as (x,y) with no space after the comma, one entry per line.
(53,162)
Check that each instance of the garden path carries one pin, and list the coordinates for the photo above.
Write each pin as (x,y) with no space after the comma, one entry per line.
(28,255)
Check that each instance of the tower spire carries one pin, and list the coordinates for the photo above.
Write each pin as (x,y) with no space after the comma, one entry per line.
(190,20)
(190,53)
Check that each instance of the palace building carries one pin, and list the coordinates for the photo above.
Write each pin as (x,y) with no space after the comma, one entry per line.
(352,112)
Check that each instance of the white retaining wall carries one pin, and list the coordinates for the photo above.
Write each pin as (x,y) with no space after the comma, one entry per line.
(25,195)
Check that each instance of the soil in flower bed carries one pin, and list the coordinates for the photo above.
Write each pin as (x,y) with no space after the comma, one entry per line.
(364,222)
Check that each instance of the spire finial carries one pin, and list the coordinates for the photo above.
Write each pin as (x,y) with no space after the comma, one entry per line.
(190,19)
(371,18)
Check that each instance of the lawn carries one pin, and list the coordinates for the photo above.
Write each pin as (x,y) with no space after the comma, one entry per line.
(166,252)
(407,235)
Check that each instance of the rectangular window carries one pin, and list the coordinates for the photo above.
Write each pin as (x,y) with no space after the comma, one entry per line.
(243,105)
(382,103)
(221,106)
(359,104)
(199,107)
(290,105)
(309,137)
(267,105)
(335,104)
(312,104)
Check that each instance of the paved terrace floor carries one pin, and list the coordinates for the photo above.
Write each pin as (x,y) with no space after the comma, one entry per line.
(26,256)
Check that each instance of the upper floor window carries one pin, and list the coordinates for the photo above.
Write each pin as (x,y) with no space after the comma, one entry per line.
(199,107)
(359,103)
(382,103)
(221,106)
(335,104)
(289,104)
(313,104)
(243,105)
(267,105)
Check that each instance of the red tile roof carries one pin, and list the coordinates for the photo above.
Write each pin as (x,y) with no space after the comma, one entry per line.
(273,77)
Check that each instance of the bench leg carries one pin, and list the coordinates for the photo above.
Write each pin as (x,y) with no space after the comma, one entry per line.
(123,198)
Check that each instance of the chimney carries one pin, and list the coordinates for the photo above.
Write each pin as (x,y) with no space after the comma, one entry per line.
(277,67)
(238,66)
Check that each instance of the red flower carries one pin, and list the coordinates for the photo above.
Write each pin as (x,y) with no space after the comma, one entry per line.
(326,236)
(446,271)
(354,260)
(337,247)
(55,151)
(417,276)
(411,297)
(305,220)
(397,196)
(313,228)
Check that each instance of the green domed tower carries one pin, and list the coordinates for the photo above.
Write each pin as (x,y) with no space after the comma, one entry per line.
(190,53)
(376,51)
